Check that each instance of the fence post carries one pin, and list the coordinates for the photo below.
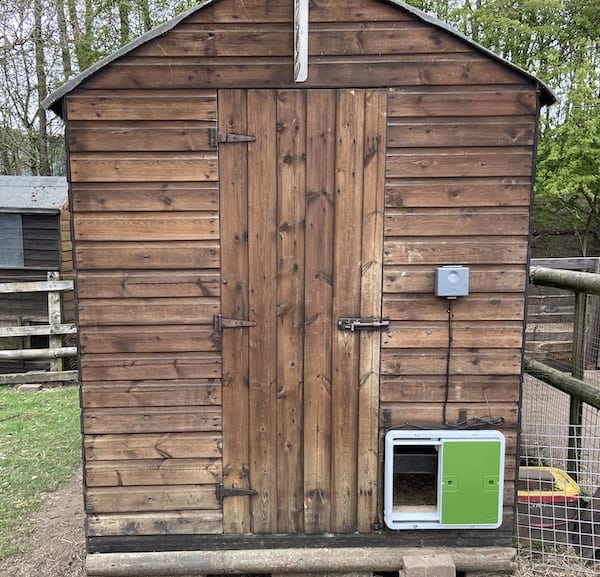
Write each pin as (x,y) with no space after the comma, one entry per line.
(54,318)
(578,371)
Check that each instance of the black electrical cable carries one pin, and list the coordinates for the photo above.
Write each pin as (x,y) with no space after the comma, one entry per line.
(448,360)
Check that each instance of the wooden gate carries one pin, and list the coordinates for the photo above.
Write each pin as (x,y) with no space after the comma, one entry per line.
(301,240)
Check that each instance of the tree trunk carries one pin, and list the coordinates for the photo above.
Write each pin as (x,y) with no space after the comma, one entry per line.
(42,86)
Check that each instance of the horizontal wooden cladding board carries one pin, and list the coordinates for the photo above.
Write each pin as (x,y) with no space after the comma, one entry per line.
(152,446)
(434,334)
(146,226)
(151,394)
(430,415)
(256,11)
(147,135)
(459,162)
(148,339)
(153,472)
(148,311)
(475,307)
(147,256)
(458,192)
(151,498)
(129,420)
(145,196)
(474,250)
(141,166)
(324,72)
(475,361)
(166,523)
(482,279)
(276,39)
(456,221)
(449,101)
(461,131)
(432,388)
(148,284)
(132,105)
(140,366)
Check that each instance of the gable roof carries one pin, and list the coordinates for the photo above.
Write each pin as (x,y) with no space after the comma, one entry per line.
(32,194)
(54,100)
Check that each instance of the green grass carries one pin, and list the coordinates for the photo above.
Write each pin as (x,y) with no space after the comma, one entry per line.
(40,448)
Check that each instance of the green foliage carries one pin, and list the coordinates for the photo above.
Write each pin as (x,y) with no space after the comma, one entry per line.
(40,448)
(559,41)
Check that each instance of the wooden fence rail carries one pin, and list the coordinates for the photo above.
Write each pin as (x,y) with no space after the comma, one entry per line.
(582,284)
(55,330)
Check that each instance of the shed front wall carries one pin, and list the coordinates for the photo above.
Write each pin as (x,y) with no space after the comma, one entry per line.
(147,197)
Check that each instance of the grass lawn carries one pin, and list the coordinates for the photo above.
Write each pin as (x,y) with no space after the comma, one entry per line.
(40,448)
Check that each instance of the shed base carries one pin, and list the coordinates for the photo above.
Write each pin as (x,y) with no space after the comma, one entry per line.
(500,560)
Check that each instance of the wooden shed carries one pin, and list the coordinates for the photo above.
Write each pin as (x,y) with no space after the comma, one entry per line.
(30,247)
(263,194)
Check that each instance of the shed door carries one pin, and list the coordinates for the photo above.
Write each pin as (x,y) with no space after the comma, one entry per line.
(301,241)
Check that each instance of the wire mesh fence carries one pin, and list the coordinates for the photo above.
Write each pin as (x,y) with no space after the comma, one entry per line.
(558,508)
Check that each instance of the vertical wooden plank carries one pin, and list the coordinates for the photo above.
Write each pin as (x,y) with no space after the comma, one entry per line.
(233,180)
(262,215)
(54,318)
(370,306)
(346,302)
(320,168)
(291,119)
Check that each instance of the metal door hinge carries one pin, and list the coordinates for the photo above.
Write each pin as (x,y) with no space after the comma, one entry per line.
(354,324)
(223,492)
(220,322)
(215,138)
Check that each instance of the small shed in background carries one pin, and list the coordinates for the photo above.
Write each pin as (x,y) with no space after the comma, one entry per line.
(262,193)
(31,245)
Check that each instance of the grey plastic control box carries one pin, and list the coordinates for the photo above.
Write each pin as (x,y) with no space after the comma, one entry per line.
(452,281)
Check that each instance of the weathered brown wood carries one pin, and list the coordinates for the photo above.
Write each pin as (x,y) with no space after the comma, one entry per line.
(136,166)
(490,278)
(367,467)
(147,256)
(478,307)
(153,472)
(500,250)
(338,559)
(425,388)
(420,335)
(38,377)
(109,447)
(119,105)
(262,235)
(472,100)
(257,72)
(463,162)
(320,174)
(457,131)
(135,196)
(464,362)
(159,339)
(457,192)
(151,394)
(148,284)
(140,499)
(346,302)
(430,415)
(145,226)
(94,136)
(133,420)
(234,302)
(402,37)
(148,311)
(164,523)
(435,222)
(291,183)
(135,366)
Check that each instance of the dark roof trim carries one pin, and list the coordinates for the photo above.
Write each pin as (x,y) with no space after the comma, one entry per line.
(54,100)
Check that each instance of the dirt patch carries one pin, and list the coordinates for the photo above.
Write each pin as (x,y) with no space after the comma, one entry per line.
(56,547)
